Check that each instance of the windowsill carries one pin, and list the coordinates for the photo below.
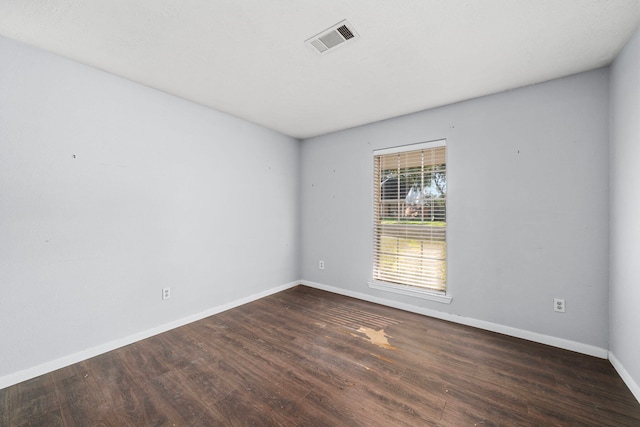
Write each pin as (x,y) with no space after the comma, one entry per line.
(411,291)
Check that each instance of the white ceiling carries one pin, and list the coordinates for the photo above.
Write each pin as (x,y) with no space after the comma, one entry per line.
(248,57)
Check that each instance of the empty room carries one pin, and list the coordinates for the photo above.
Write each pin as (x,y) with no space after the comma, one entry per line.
(338,213)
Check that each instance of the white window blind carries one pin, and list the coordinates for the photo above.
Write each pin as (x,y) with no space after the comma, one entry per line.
(410,216)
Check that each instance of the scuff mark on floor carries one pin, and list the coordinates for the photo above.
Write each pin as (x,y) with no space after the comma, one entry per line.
(384,359)
(363,366)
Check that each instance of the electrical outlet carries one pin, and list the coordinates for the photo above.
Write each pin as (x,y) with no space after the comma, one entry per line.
(166,293)
(321,265)
(558,305)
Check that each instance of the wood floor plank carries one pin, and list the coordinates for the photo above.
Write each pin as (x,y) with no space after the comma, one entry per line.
(305,357)
(81,400)
(50,419)
(34,398)
(193,409)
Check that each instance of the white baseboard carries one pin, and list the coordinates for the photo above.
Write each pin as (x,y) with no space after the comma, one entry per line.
(628,379)
(26,374)
(481,324)
(47,367)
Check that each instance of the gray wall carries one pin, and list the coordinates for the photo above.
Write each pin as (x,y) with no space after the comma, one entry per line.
(624,310)
(527,209)
(161,192)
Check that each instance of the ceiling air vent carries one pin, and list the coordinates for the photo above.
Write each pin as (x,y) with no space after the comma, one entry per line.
(332,37)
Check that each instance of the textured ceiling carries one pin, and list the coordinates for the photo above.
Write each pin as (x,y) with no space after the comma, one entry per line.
(248,58)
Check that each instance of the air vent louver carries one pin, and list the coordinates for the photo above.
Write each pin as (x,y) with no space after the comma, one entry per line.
(346,33)
(332,37)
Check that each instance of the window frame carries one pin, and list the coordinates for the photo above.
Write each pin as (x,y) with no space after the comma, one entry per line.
(403,289)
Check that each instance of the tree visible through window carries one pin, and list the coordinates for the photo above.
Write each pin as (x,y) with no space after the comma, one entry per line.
(410,216)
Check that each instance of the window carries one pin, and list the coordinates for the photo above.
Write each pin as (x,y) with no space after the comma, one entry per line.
(410,220)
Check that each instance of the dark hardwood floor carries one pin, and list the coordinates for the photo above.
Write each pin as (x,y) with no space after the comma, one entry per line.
(311,358)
